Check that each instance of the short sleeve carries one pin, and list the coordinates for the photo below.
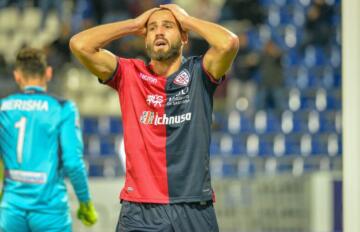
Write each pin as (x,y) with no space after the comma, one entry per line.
(209,81)
(115,79)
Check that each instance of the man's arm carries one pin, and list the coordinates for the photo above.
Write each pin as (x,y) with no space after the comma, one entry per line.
(223,43)
(88,45)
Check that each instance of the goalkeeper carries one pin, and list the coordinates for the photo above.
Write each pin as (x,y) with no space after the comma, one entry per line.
(40,144)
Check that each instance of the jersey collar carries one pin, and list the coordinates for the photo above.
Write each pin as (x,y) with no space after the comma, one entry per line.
(33,89)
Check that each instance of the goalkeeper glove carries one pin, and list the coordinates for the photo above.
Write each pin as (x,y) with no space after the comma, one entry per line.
(87,213)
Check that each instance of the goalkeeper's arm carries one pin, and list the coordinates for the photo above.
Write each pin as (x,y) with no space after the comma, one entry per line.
(72,152)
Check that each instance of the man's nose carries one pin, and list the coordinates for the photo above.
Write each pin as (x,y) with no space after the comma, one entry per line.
(159,31)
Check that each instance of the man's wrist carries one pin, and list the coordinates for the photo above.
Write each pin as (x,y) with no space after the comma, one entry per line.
(133,25)
(186,23)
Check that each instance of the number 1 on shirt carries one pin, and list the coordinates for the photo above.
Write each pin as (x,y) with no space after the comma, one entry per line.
(21,125)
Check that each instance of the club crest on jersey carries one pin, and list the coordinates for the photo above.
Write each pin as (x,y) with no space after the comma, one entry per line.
(183,78)
(154,100)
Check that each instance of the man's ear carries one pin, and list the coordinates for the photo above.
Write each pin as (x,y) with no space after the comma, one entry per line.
(48,73)
(184,37)
(18,77)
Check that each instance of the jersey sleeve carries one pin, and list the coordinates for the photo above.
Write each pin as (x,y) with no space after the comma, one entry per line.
(210,82)
(115,80)
(72,151)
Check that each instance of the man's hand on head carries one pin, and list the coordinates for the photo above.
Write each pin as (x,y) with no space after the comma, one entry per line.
(141,21)
(180,14)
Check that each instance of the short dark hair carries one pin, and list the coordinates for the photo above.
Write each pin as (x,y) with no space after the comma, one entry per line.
(31,61)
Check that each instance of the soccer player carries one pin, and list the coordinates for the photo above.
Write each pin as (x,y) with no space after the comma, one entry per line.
(167,108)
(40,143)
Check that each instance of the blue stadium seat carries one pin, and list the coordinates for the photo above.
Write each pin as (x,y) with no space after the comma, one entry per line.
(292,58)
(92,145)
(334,144)
(254,41)
(266,122)
(302,77)
(219,122)
(116,127)
(327,122)
(337,79)
(334,100)
(304,4)
(313,145)
(287,145)
(107,146)
(273,123)
(252,145)
(290,81)
(331,77)
(266,145)
(313,122)
(307,100)
(294,101)
(86,145)
(285,16)
(239,145)
(90,125)
(298,19)
(292,145)
(239,123)
(273,16)
(226,144)
(314,56)
(319,146)
(299,122)
(229,169)
(96,170)
(215,146)
(335,55)
(266,2)
(229,145)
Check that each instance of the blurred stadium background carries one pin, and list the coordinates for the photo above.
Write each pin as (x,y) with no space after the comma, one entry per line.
(276,151)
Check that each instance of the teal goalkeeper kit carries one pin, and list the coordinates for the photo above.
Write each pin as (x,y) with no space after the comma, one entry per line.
(40,144)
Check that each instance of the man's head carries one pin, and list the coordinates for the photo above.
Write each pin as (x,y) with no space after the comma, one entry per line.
(164,37)
(31,68)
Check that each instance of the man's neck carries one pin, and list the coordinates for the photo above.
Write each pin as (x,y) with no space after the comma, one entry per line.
(167,67)
(35,82)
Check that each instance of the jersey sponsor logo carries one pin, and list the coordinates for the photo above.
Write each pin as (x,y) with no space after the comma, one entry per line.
(147,78)
(181,97)
(25,105)
(27,177)
(154,100)
(152,118)
(182,78)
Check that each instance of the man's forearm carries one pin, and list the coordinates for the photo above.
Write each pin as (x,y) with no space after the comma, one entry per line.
(98,37)
(217,36)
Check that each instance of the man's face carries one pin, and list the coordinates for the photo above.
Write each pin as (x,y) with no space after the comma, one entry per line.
(163,38)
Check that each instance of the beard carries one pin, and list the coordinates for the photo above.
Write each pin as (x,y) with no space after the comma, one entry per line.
(162,55)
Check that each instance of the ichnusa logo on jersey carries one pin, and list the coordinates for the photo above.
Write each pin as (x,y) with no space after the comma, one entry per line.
(152,118)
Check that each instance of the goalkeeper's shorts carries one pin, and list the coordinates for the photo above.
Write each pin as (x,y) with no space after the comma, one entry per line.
(14,219)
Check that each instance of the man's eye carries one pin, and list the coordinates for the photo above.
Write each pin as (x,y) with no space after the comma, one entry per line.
(151,28)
